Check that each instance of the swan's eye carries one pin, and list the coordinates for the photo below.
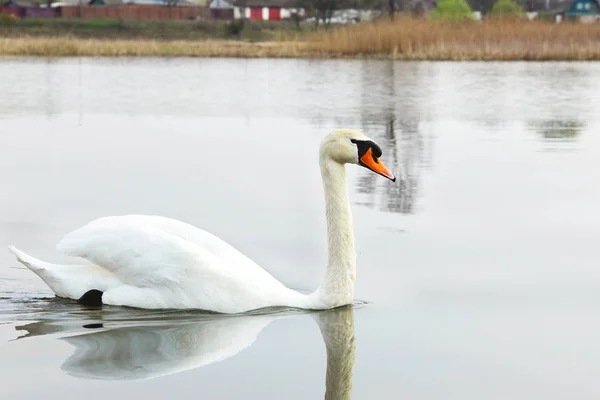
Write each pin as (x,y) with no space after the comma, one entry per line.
(376,150)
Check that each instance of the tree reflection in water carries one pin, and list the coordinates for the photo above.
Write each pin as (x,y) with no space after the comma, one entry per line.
(558,130)
(393,121)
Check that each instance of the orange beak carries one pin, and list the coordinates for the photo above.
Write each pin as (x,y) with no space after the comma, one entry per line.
(375,165)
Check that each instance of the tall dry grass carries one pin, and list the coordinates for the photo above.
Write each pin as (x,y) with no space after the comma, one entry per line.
(65,47)
(423,39)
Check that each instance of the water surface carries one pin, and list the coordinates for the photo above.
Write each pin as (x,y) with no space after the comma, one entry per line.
(479,267)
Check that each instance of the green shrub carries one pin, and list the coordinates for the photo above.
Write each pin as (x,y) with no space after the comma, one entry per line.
(506,8)
(6,18)
(235,27)
(452,10)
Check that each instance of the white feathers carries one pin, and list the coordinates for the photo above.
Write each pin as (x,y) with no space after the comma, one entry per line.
(30,262)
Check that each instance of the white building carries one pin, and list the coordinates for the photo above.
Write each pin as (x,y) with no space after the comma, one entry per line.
(266,10)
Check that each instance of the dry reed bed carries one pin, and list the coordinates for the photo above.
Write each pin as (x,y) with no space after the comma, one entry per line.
(421,39)
(64,47)
(404,38)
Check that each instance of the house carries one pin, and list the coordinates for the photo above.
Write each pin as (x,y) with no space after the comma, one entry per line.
(584,10)
(15,8)
(23,9)
(221,4)
(221,9)
(267,10)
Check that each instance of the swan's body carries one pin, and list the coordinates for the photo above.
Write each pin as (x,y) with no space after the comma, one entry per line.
(156,263)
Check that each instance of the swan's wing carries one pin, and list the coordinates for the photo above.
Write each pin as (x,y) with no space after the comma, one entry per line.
(138,255)
(201,238)
(140,252)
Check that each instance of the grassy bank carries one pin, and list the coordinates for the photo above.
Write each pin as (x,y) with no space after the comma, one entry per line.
(111,29)
(404,38)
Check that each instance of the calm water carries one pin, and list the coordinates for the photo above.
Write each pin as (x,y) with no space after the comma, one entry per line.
(480,267)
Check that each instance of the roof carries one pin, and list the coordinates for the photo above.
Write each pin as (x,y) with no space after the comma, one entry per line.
(584,7)
(19,3)
(105,2)
(267,3)
(221,4)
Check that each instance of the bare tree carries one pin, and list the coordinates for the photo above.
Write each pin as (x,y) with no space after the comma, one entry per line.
(323,9)
(392,8)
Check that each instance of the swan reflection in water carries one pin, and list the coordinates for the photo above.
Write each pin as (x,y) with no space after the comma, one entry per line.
(152,349)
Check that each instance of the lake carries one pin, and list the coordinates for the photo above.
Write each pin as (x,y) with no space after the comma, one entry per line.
(478,269)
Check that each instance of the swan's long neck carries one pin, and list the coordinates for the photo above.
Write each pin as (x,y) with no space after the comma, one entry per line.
(337,329)
(338,285)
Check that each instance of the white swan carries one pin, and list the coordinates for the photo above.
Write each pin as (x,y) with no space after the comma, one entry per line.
(160,263)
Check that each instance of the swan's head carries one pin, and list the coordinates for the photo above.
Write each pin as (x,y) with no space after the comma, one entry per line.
(346,146)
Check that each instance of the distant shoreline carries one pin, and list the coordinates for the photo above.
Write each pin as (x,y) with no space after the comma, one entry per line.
(403,39)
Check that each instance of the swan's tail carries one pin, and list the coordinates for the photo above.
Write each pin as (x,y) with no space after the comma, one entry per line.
(30,262)
(69,281)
